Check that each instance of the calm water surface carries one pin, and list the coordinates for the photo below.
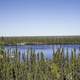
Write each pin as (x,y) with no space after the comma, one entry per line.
(46,49)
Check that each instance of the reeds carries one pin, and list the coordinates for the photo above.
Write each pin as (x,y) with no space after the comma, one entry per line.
(36,67)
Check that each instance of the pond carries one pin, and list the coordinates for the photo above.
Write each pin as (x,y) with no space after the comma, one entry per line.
(46,49)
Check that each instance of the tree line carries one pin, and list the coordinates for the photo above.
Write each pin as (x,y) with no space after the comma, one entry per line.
(40,40)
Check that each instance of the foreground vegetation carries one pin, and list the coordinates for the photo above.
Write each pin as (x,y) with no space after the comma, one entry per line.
(36,67)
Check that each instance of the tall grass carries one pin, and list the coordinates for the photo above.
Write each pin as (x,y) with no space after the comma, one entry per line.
(36,67)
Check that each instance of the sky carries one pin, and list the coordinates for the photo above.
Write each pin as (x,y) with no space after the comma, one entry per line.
(39,17)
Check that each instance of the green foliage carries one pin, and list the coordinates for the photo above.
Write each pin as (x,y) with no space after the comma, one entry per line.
(36,67)
(41,40)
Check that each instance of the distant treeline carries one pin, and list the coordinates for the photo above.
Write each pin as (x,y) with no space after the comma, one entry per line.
(41,40)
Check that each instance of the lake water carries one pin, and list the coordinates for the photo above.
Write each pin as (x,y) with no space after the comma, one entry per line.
(46,49)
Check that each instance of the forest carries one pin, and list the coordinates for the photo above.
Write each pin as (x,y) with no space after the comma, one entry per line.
(40,40)
(36,67)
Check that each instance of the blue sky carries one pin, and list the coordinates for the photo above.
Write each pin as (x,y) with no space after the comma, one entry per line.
(39,17)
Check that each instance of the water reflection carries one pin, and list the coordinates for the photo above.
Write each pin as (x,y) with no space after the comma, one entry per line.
(48,50)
